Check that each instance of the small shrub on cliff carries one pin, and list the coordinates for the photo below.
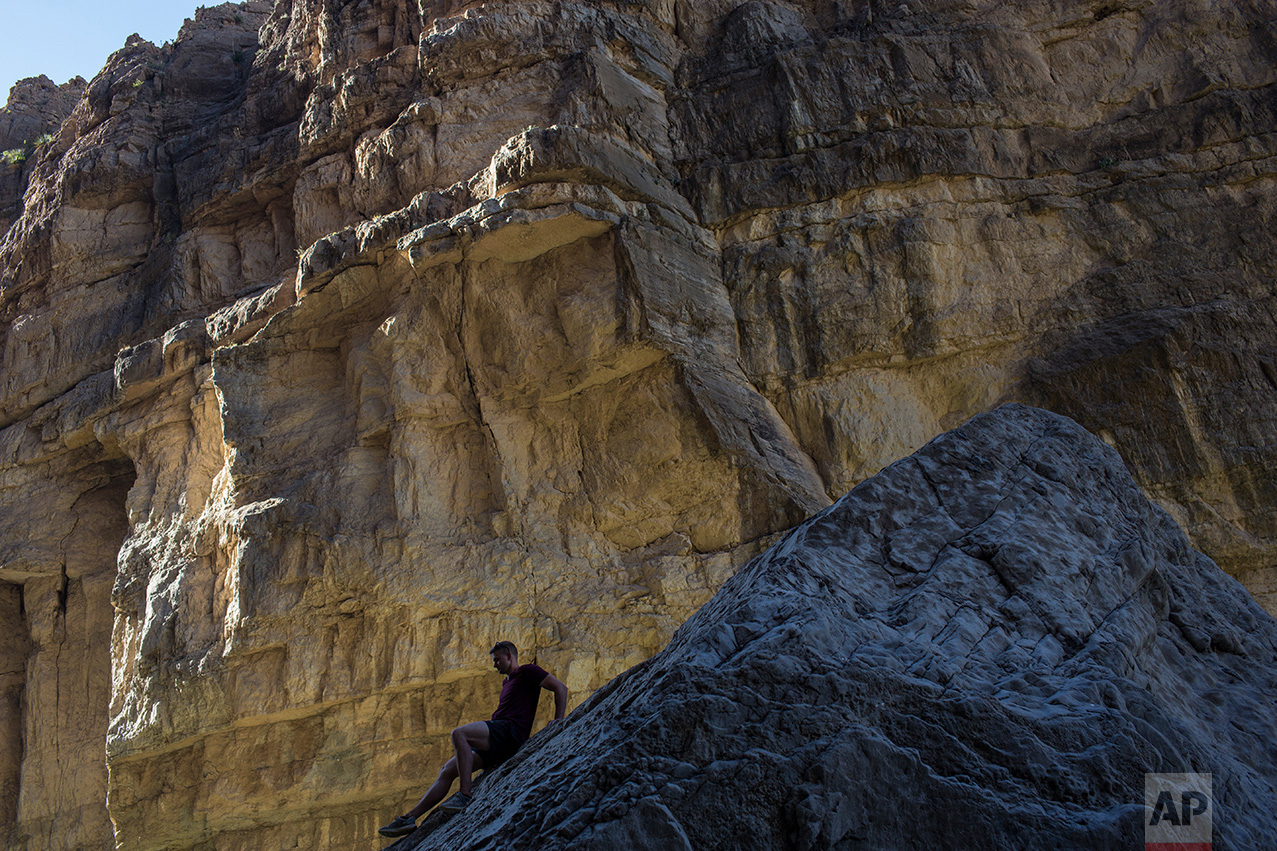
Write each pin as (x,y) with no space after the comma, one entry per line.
(14,156)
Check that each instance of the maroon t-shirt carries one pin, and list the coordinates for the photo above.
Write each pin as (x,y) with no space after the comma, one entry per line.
(519,696)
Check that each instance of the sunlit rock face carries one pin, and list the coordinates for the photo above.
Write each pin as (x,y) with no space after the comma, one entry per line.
(341,340)
(987,645)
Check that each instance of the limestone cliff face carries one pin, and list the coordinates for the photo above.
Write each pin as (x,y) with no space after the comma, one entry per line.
(342,339)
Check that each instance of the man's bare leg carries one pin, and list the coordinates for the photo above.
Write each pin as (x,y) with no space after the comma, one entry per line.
(437,791)
(467,739)
(471,737)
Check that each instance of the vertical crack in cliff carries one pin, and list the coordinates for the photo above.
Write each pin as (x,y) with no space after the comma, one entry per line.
(59,635)
(496,468)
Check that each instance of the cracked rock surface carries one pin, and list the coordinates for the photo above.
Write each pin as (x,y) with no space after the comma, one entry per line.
(986,645)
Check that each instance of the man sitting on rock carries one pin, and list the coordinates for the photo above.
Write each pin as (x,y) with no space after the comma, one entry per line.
(487,744)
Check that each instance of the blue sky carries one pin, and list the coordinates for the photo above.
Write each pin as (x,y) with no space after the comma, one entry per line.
(63,38)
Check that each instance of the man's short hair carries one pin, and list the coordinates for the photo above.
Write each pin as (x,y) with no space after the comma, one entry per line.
(504,647)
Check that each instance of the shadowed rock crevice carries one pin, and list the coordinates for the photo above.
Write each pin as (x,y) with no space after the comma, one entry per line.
(13,680)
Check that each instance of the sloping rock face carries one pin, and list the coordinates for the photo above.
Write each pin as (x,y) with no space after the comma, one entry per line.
(986,645)
(343,339)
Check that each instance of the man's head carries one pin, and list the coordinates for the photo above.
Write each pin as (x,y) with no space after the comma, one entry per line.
(505,657)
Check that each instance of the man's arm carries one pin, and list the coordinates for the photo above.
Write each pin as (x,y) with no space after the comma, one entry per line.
(550,683)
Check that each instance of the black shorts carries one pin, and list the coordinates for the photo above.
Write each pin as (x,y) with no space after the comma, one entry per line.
(503,741)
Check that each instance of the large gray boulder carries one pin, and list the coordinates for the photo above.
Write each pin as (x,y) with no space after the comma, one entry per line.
(987,645)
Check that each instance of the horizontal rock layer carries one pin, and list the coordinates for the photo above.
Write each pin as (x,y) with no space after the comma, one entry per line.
(341,340)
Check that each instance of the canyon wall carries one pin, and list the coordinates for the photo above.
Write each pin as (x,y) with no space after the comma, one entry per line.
(341,340)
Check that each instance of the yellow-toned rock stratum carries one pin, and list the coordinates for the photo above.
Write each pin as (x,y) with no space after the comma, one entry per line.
(342,339)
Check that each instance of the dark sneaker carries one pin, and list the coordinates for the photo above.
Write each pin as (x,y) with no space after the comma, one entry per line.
(401,826)
(455,804)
